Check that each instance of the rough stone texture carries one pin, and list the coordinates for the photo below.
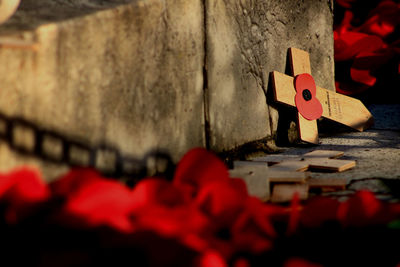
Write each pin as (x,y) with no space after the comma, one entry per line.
(248,39)
(130,77)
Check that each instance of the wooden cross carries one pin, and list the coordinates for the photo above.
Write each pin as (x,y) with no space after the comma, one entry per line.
(337,107)
(287,174)
(318,159)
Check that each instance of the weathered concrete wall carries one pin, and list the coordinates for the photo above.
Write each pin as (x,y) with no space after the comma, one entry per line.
(133,75)
(130,77)
(248,39)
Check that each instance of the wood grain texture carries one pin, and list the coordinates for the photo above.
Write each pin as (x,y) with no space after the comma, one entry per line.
(308,130)
(344,109)
(287,176)
(299,61)
(285,192)
(284,88)
(334,165)
(291,165)
(327,184)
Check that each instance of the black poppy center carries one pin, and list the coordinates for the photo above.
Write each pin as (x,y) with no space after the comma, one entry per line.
(307,95)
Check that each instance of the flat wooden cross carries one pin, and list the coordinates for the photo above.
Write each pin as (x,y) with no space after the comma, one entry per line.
(318,159)
(287,174)
(337,107)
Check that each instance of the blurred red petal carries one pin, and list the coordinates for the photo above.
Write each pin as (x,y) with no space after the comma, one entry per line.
(294,217)
(184,223)
(383,20)
(101,202)
(350,88)
(241,263)
(253,230)
(211,259)
(24,186)
(151,191)
(359,209)
(297,262)
(350,44)
(21,190)
(74,180)
(222,200)
(199,167)
(318,211)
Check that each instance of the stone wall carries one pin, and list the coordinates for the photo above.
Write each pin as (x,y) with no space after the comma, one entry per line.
(248,39)
(148,75)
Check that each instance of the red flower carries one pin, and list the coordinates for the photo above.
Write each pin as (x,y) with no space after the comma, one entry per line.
(253,230)
(92,200)
(319,210)
(155,191)
(365,209)
(222,200)
(297,262)
(365,54)
(383,20)
(197,168)
(22,190)
(306,102)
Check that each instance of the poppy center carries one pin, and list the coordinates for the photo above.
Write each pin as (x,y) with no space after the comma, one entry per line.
(307,95)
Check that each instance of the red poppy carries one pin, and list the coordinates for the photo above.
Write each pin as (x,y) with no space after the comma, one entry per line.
(197,168)
(365,209)
(365,54)
(297,262)
(222,200)
(22,190)
(155,191)
(319,210)
(92,200)
(306,101)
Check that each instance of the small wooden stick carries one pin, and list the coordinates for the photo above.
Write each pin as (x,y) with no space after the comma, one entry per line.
(285,192)
(10,43)
(327,184)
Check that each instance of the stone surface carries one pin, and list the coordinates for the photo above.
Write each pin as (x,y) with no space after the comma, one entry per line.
(376,152)
(389,116)
(248,39)
(125,76)
(256,178)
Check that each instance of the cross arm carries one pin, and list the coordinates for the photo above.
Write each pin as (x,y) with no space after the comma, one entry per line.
(337,107)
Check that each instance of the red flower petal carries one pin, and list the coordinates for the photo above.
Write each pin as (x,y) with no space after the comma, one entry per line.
(21,190)
(253,230)
(197,168)
(350,44)
(319,210)
(383,19)
(359,209)
(294,217)
(74,180)
(211,259)
(311,108)
(155,191)
(297,262)
(365,64)
(100,202)
(222,200)
(184,223)
(23,186)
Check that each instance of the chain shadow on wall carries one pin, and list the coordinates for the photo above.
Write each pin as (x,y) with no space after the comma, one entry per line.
(29,139)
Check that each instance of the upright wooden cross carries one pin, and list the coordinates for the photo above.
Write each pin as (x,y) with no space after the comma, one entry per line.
(336,107)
